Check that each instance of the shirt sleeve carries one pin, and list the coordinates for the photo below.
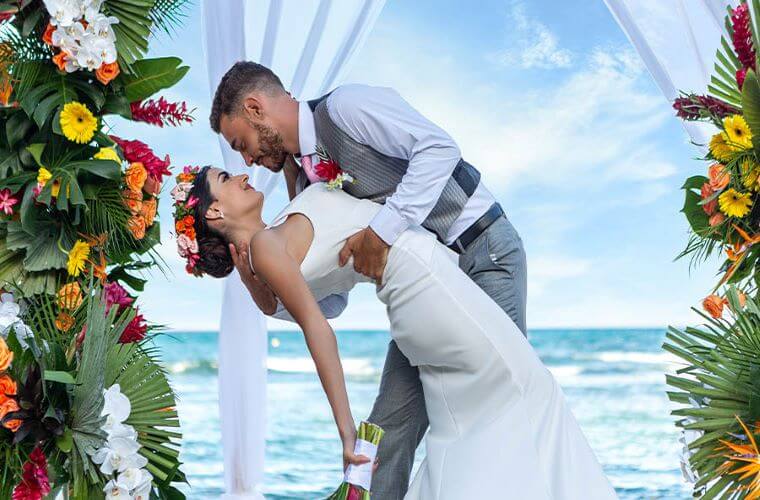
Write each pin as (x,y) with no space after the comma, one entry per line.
(380,118)
(332,306)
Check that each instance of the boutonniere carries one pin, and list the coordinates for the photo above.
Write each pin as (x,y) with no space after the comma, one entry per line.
(328,170)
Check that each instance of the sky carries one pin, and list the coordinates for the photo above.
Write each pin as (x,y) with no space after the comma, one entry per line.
(550,102)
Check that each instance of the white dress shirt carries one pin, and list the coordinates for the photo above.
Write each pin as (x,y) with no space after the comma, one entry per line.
(380,118)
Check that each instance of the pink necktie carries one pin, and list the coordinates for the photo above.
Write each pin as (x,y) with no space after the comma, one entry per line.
(309,169)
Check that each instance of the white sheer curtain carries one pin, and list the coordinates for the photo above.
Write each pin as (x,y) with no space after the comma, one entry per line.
(309,44)
(677,40)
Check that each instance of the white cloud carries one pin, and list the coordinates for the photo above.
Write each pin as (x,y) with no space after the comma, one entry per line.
(535,45)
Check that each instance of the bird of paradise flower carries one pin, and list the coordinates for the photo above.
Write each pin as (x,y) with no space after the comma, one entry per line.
(747,458)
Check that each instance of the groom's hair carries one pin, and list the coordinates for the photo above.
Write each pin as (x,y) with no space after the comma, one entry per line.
(241,79)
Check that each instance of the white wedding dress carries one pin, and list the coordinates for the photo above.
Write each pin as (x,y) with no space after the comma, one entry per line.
(499,423)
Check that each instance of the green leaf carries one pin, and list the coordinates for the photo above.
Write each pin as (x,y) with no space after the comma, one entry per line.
(117,104)
(695,182)
(108,169)
(120,274)
(751,106)
(36,152)
(152,75)
(16,128)
(66,441)
(31,22)
(59,376)
(695,214)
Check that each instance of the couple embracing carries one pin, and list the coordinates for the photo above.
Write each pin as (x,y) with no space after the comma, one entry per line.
(380,194)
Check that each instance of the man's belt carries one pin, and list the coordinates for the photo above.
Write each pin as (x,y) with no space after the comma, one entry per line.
(477,228)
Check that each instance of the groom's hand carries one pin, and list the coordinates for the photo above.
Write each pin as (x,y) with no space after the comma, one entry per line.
(370,254)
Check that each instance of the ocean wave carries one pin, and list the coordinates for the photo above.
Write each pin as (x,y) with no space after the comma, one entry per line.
(565,371)
(358,367)
(652,358)
(351,366)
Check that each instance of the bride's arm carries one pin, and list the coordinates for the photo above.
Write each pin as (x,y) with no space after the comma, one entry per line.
(282,273)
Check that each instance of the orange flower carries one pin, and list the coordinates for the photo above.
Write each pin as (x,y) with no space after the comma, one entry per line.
(135,177)
(6,355)
(136,225)
(64,322)
(6,89)
(47,37)
(149,208)
(719,177)
(5,408)
(716,219)
(190,232)
(60,60)
(133,201)
(7,387)
(70,296)
(99,270)
(185,177)
(107,72)
(714,305)
(179,226)
(712,205)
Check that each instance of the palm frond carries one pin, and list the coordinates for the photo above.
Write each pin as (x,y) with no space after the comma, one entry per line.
(168,15)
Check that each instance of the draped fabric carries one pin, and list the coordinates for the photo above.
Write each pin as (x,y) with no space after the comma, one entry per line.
(309,44)
(677,40)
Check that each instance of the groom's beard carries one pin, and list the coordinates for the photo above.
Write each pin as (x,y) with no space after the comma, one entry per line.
(273,154)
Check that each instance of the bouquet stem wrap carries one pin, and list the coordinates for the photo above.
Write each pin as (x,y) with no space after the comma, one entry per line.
(357,479)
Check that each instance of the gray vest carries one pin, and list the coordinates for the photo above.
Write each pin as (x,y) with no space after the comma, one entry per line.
(376,176)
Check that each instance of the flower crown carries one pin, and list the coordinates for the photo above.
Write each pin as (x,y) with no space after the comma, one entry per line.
(184,220)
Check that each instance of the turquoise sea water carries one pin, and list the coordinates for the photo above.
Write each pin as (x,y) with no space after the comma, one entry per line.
(613,380)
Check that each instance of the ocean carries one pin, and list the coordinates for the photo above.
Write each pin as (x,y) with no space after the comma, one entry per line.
(613,380)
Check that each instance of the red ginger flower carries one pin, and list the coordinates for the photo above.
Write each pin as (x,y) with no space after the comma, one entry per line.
(161,112)
(34,484)
(135,330)
(696,107)
(139,152)
(742,36)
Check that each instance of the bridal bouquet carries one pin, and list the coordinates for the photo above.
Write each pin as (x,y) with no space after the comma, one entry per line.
(718,389)
(357,481)
(85,408)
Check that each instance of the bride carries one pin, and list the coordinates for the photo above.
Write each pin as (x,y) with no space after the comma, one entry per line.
(499,423)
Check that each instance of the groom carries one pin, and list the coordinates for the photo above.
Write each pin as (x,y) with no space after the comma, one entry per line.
(402,160)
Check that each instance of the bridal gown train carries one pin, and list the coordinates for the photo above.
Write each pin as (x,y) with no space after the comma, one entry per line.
(499,423)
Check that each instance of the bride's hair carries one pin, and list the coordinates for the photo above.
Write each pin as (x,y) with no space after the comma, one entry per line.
(213,247)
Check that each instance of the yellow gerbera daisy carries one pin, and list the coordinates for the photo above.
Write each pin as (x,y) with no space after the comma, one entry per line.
(107,154)
(738,131)
(720,148)
(77,257)
(43,175)
(78,123)
(734,203)
(750,171)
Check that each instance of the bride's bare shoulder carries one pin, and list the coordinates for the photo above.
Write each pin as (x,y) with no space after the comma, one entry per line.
(266,246)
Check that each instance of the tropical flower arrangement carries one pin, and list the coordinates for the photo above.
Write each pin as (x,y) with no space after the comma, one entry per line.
(184,219)
(718,390)
(85,407)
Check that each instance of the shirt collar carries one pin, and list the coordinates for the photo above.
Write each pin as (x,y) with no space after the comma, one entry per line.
(307,135)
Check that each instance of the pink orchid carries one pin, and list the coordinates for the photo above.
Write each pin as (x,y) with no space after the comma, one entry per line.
(179,193)
(191,202)
(7,201)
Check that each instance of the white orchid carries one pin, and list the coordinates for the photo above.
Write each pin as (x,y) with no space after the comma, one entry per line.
(118,455)
(88,59)
(104,48)
(143,492)
(134,479)
(116,491)
(100,26)
(115,429)
(9,318)
(62,12)
(116,404)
